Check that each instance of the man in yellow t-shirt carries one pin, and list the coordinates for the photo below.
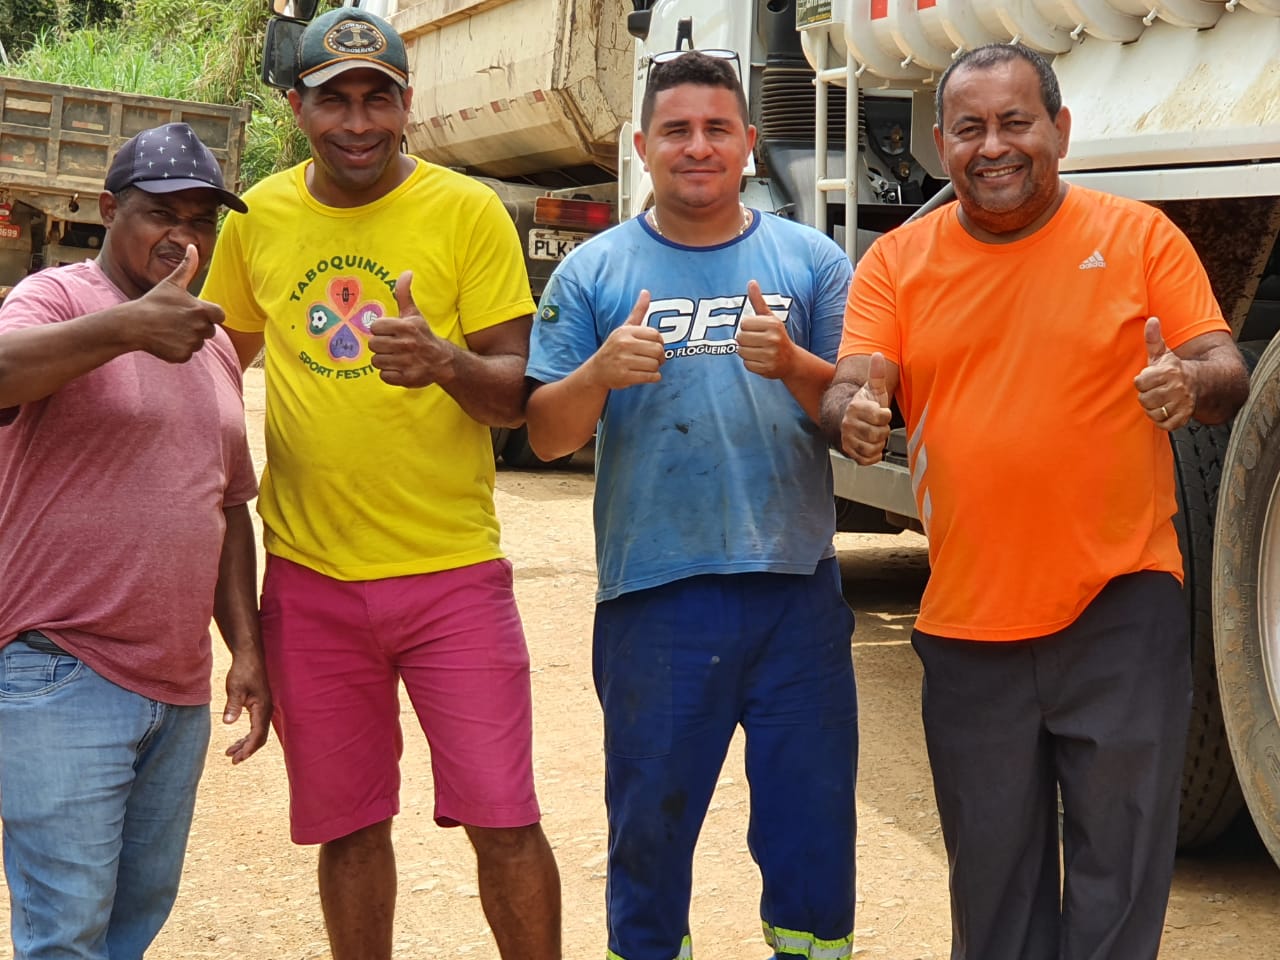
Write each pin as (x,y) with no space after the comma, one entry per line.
(393,302)
(1041,340)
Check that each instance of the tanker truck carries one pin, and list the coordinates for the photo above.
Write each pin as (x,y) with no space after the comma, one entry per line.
(1175,102)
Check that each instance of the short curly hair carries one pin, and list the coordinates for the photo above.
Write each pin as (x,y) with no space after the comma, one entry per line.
(993,54)
(696,68)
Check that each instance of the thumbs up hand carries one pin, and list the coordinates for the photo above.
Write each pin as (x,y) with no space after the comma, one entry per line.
(185,271)
(631,354)
(167,321)
(1165,387)
(406,351)
(764,345)
(864,429)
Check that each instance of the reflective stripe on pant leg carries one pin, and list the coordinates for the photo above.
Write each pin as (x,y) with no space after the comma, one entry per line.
(801,762)
(686,952)
(800,944)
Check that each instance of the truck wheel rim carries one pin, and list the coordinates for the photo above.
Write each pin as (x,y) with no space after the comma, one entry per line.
(1269,596)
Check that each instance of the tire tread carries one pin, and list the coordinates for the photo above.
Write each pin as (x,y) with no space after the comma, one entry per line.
(1210,795)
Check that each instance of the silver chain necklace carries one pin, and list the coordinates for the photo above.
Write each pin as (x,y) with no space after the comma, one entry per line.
(746,222)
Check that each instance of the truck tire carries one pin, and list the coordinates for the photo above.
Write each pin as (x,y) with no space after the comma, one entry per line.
(1211,797)
(517,453)
(1246,597)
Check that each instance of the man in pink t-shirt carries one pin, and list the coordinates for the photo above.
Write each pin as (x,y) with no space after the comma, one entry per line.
(125,478)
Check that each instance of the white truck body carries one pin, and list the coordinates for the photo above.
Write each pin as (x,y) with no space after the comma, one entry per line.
(1197,85)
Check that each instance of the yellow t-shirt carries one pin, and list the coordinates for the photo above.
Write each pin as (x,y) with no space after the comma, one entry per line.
(1037,473)
(365,480)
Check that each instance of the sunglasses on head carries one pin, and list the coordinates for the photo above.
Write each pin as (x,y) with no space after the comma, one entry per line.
(659,59)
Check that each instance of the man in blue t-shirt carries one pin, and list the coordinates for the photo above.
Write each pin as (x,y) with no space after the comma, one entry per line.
(700,337)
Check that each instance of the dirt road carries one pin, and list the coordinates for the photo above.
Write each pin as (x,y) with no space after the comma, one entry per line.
(249,893)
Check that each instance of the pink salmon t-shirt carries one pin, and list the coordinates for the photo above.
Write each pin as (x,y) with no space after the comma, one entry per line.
(112,493)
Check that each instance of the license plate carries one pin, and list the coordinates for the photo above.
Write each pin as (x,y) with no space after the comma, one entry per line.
(553,244)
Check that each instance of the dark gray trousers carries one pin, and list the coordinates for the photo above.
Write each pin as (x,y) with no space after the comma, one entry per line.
(1098,710)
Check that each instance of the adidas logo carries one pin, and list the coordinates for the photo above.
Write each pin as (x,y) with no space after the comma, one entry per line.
(1093,261)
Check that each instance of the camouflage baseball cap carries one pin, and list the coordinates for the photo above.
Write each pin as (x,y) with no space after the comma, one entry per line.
(347,38)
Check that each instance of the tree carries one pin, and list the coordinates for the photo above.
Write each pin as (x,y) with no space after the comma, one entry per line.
(22,22)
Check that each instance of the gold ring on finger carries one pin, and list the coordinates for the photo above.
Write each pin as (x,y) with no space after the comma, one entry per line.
(1164,412)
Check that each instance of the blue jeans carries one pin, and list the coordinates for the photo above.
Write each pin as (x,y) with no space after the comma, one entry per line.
(97,788)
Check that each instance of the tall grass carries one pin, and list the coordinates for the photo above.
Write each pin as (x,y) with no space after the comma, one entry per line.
(184,49)
(108,59)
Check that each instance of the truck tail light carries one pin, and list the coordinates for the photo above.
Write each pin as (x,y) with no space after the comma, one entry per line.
(588,215)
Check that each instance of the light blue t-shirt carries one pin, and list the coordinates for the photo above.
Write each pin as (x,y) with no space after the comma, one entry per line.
(714,469)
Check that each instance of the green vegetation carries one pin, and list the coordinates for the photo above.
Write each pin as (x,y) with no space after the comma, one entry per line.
(205,50)
(23,21)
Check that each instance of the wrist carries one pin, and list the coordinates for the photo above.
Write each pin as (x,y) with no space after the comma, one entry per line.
(447,372)
(1191,370)
(244,645)
(789,360)
(589,376)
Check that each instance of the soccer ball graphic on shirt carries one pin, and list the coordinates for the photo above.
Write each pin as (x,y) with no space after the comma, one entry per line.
(343,320)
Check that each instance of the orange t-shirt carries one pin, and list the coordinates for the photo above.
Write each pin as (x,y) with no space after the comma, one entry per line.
(1036,472)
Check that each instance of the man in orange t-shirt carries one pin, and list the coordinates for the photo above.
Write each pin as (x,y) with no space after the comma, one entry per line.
(1041,341)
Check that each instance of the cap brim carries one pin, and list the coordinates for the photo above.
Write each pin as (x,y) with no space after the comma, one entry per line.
(325,74)
(174,184)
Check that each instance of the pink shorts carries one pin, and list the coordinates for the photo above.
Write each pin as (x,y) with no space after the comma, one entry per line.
(335,651)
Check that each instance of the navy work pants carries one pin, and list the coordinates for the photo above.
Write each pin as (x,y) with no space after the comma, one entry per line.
(678,668)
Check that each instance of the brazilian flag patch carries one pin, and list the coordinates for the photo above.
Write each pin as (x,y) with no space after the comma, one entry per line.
(549,314)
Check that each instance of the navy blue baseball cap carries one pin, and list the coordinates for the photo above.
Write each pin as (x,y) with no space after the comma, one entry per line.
(168,159)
